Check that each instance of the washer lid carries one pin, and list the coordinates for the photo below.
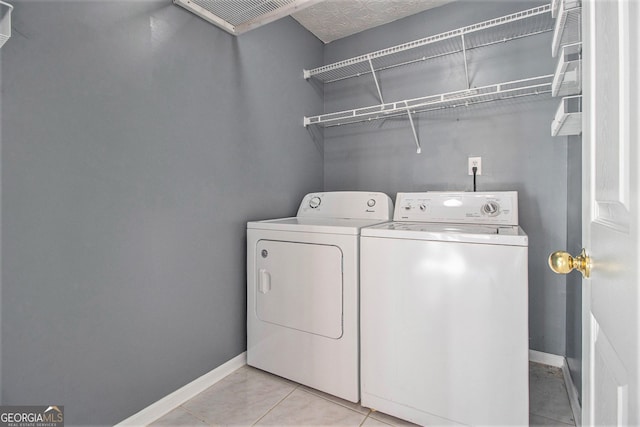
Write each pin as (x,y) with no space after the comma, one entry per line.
(463,233)
(314,225)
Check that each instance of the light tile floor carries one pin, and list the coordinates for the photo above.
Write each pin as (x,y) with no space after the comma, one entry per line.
(252,397)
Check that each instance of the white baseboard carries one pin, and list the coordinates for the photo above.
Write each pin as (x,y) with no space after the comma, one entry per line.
(572,391)
(546,358)
(178,397)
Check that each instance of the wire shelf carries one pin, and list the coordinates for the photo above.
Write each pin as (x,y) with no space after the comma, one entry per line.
(568,28)
(5,22)
(464,98)
(568,119)
(568,4)
(522,24)
(567,79)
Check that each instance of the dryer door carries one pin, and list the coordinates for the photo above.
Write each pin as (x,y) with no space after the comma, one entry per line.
(299,286)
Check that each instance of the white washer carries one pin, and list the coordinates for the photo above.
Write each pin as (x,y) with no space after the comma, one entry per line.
(444,314)
(302,290)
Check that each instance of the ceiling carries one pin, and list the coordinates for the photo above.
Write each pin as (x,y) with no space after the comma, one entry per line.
(331,20)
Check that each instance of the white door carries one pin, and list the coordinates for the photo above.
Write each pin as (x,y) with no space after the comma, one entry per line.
(299,286)
(611,215)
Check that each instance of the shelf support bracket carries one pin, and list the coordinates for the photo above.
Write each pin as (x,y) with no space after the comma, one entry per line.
(413,129)
(375,79)
(466,67)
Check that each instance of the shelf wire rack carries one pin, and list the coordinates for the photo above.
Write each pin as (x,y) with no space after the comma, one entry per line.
(568,26)
(463,98)
(522,24)
(567,79)
(5,22)
(568,118)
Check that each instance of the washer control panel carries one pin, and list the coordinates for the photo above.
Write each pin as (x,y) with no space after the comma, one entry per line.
(347,204)
(500,207)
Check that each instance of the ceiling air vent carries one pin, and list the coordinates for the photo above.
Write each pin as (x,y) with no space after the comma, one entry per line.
(239,16)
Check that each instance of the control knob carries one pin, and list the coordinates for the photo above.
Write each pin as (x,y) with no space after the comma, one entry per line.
(315,202)
(491,208)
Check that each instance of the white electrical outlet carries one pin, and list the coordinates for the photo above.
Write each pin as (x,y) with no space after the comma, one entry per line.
(477,162)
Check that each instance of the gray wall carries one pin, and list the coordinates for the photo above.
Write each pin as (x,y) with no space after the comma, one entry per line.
(137,140)
(574,245)
(513,138)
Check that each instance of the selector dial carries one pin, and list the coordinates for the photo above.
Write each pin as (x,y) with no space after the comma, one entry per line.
(371,202)
(423,207)
(315,202)
(491,208)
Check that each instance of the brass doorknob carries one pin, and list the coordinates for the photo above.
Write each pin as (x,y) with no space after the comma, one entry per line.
(562,263)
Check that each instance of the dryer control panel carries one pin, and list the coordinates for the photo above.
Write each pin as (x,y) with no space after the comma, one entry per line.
(500,207)
(347,204)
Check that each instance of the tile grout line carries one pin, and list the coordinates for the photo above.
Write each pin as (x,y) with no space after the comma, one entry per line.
(302,389)
(556,376)
(374,419)
(190,413)
(552,419)
(546,416)
(339,404)
(306,390)
(368,412)
(366,415)
(276,405)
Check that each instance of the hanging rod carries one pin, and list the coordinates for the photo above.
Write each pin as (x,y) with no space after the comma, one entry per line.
(521,24)
(501,91)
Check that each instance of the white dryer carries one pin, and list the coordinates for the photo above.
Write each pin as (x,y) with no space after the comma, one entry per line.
(303,290)
(444,313)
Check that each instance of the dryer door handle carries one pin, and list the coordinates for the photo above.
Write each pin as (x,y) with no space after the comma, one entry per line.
(264,281)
